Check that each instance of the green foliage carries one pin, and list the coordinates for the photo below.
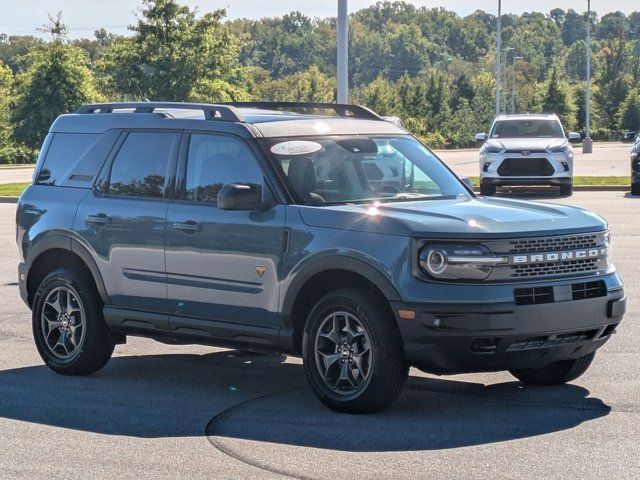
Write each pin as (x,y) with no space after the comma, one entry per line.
(431,67)
(557,98)
(170,52)
(56,80)
(15,154)
(629,115)
(6,87)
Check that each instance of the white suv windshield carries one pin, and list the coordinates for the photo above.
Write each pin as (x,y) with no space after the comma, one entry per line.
(527,129)
(358,169)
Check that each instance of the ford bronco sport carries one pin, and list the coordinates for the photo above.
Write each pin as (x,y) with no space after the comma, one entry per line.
(317,230)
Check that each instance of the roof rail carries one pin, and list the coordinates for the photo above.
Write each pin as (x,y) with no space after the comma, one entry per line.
(211,111)
(341,110)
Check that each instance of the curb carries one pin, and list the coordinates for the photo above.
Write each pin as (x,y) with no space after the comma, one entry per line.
(9,199)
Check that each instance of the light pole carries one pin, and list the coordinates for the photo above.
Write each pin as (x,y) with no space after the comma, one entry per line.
(506,77)
(498,55)
(587,144)
(513,84)
(343,52)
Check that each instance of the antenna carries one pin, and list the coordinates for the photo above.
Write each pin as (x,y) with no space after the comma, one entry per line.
(142,97)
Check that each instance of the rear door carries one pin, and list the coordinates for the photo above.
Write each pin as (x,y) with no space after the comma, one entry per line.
(221,265)
(123,219)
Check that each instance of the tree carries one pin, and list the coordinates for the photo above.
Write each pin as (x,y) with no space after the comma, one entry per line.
(6,85)
(170,52)
(309,86)
(629,115)
(381,96)
(613,80)
(557,99)
(57,80)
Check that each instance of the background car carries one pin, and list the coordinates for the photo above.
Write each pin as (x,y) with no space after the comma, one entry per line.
(629,137)
(526,150)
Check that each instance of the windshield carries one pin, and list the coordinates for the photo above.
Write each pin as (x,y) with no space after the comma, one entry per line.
(359,169)
(527,129)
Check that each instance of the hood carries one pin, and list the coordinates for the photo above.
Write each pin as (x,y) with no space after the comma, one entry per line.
(526,143)
(460,217)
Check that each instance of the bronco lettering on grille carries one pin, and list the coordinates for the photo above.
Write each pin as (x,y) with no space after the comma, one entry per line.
(553,257)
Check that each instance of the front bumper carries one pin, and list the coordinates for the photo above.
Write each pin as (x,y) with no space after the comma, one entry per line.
(446,338)
(494,169)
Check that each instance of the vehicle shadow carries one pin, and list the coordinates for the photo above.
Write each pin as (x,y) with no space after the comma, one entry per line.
(230,395)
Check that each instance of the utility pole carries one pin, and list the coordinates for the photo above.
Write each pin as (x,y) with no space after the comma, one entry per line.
(587,144)
(513,84)
(498,57)
(343,51)
(506,79)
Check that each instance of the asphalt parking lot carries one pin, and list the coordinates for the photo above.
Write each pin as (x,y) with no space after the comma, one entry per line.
(159,411)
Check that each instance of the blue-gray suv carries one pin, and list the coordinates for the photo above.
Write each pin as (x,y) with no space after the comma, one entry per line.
(318,230)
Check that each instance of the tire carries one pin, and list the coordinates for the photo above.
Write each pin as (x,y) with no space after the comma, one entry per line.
(635,188)
(566,190)
(67,300)
(370,368)
(487,189)
(556,373)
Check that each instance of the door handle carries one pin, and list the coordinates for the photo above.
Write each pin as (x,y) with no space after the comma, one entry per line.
(187,227)
(99,219)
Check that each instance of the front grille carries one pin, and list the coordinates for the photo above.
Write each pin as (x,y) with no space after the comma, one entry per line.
(549,269)
(531,152)
(526,167)
(569,242)
(560,293)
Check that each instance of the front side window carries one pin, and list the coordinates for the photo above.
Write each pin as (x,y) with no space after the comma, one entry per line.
(527,129)
(357,169)
(215,161)
(140,167)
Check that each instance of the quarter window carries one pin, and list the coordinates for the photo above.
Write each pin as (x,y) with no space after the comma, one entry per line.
(215,161)
(140,167)
(64,151)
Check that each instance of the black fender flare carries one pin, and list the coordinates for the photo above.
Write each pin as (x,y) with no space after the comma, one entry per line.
(335,262)
(63,242)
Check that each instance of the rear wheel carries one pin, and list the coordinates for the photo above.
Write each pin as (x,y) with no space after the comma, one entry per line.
(555,373)
(487,189)
(566,190)
(352,351)
(68,327)
(635,188)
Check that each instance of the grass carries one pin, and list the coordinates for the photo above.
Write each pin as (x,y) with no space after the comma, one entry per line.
(591,181)
(12,189)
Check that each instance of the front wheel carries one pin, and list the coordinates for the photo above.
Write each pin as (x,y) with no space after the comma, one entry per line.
(566,190)
(68,327)
(556,373)
(352,351)
(487,189)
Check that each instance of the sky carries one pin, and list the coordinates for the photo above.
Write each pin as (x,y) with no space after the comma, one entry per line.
(24,17)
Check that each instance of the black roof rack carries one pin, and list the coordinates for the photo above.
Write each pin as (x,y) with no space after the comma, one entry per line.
(211,111)
(341,110)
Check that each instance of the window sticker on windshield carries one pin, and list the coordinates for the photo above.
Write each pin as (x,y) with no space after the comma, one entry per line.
(296,147)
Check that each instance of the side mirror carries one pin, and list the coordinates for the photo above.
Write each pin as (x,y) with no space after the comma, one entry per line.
(237,196)
(468,182)
(481,138)
(574,137)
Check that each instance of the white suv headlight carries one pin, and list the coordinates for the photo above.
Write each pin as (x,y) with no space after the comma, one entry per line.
(560,149)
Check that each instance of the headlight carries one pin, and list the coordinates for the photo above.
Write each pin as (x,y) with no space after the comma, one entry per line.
(458,262)
(561,149)
(492,150)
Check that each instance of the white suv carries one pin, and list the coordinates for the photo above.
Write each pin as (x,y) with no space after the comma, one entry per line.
(526,150)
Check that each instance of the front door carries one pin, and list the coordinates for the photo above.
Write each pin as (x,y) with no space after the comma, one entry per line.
(222,265)
(123,220)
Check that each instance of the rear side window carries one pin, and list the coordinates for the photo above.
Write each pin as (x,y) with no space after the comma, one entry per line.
(63,153)
(140,167)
